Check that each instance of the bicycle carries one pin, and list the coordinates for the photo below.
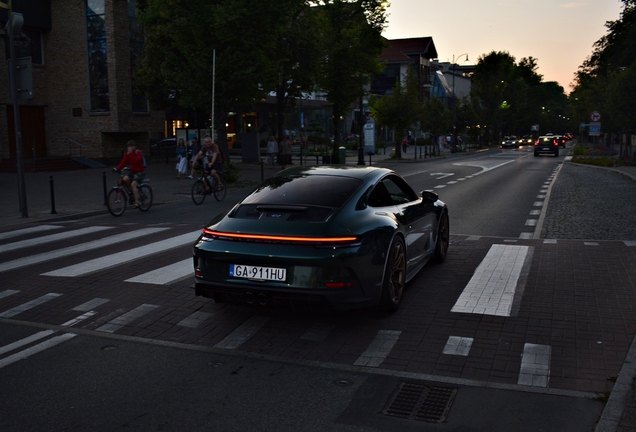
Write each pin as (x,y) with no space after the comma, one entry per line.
(199,190)
(120,196)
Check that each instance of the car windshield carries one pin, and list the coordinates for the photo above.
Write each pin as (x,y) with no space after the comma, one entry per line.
(312,190)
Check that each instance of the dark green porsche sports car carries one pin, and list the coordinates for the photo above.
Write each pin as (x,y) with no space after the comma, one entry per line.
(346,236)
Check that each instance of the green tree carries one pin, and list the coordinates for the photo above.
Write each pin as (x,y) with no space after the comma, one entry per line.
(399,110)
(181,37)
(351,42)
(436,118)
(602,82)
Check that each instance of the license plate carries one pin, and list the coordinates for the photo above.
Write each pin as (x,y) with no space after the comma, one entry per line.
(258,273)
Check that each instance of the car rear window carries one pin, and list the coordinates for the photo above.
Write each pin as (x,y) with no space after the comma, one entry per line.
(312,190)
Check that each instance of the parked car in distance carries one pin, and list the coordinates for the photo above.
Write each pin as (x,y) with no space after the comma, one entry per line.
(166,146)
(546,144)
(510,142)
(342,236)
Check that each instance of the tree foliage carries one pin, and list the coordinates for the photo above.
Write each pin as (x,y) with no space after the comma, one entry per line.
(510,97)
(399,110)
(351,40)
(604,82)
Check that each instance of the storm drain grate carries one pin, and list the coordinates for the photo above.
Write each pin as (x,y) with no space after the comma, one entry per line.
(420,402)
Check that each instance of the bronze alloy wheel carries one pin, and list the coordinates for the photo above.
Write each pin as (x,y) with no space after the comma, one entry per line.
(443,240)
(394,277)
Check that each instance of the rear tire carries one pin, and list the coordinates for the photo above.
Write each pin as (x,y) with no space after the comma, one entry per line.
(145,197)
(117,201)
(443,240)
(198,192)
(394,276)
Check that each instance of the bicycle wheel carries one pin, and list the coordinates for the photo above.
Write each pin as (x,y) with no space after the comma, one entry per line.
(220,190)
(145,197)
(117,201)
(198,192)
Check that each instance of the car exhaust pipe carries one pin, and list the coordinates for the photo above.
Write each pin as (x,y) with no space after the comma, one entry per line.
(249,298)
(262,299)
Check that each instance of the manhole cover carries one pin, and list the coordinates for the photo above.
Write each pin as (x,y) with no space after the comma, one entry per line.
(420,402)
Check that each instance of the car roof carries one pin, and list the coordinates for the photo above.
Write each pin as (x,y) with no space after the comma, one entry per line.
(353,171)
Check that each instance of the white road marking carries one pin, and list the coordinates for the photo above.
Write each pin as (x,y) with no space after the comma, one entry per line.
(195,319)
(458,346)
(84,247)
(629,243)
(550,241)
(535,212)
(28,305)
(526,235)
(318,332)
(243,333)
(440,175)
(473,238)
(538,203)
(127,318)
(35,229)
(492,288)
(90,305)
(38,241)
(379,348)
(535,365)
(167,274)
(7,293)
(126,256)
(36,349)
(26,341)
(531,222)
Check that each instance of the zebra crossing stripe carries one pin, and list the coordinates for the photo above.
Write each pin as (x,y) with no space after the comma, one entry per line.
(379,349)
(112,260)
(36,349)
(535,365)
(90,305)
(242,333)
(51,238)
(7,293)
(35,229)
(128,317)
(28,305)
(71,250)
(318,332)
(167,274)
(194,319)
(492,288)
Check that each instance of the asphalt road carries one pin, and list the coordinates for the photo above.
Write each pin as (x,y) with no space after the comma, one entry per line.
(153,356)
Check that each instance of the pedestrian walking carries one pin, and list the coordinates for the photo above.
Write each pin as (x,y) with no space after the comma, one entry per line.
(182,159)
(285,151)
(272,151)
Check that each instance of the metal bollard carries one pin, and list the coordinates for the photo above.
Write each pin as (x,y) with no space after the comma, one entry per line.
(52,196)
(104,187)
(262,170)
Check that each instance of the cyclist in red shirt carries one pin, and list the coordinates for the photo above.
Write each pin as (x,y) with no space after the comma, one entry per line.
(136,162)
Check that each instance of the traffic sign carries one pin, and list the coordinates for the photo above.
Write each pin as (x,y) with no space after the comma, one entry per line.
(595,128)
(596,116)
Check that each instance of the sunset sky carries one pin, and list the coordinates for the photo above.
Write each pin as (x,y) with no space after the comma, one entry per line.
(559,34)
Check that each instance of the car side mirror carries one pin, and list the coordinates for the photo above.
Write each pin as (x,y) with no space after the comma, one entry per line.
(429,196)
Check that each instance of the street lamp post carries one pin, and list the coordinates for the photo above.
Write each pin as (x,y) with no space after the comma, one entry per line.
(13,26)
(453,68)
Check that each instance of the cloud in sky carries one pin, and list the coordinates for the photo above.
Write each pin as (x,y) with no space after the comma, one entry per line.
(572,5)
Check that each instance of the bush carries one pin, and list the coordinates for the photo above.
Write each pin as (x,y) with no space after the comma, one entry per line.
(231,173)
(603,161)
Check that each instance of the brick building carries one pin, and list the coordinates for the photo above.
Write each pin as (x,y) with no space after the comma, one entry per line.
(83,54)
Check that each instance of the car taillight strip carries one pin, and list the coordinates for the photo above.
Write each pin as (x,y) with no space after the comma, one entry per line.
(280,238)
